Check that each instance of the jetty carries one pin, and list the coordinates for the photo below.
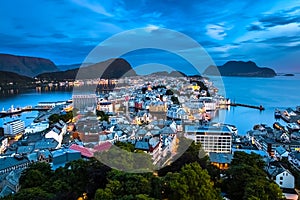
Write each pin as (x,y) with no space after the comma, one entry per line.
(243,105)
(248,106)
(20,110)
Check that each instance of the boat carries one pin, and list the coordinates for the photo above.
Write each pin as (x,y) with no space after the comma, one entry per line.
(277,114)
(293,127)
(278,126)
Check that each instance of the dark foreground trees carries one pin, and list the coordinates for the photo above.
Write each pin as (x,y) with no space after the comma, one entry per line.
(246,179)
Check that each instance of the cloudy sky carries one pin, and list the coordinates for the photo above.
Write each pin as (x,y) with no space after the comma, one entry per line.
(65,31)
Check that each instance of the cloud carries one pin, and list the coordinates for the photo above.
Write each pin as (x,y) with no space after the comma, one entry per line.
(93,6)
(255,27)
(281,17)
(216,31)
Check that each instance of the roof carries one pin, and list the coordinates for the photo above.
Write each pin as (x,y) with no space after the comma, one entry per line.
(7,162)
(220,157)
(6,191)
(25,149)
(142,145)
(84,151)
(46,144)
(280,150)
(103,147)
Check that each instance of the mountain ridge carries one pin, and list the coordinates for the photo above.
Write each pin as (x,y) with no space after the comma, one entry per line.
(26,65)
(239,68)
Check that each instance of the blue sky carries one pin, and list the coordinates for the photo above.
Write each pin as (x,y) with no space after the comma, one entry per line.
(65,31)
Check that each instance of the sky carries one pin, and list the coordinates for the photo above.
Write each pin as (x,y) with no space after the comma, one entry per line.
(66,31)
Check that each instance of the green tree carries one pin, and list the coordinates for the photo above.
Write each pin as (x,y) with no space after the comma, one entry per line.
(246,179)
(192,182)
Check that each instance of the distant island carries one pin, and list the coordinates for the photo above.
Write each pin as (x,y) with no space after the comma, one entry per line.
(239,68)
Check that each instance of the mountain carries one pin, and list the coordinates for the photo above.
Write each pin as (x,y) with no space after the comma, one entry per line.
(169,74)
(8,77)
(73,66)
(239,68)
(27,66)
(112,68)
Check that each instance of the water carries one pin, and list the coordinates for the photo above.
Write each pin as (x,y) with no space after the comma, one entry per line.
(32,99)
(278,92)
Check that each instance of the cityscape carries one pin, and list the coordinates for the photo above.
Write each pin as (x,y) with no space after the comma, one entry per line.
(122,118)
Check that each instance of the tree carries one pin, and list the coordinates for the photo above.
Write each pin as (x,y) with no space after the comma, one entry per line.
(192,182)
(175,100)
(246,179)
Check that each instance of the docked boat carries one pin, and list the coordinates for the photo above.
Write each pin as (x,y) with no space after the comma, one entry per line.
(278,126)
(277,114)
(293,127)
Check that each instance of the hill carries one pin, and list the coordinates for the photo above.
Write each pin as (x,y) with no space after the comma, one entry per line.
(8,77)
(27,66)
(240,68)
(73,66)
(112,68)
(169,74)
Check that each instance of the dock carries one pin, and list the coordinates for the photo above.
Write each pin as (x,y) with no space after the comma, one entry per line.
(244,105)
(25,109)
(248,106)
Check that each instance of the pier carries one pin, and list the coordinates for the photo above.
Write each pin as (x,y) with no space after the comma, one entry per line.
(25,109)
(247,106)
(243,105)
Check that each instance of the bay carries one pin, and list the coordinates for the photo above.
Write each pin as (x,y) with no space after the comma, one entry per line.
(277,92)
(30,99)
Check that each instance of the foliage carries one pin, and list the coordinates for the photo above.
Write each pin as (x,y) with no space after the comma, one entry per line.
(67,182)
(246,179)
(192,182)
(54,118)
(103,116)
(175,100)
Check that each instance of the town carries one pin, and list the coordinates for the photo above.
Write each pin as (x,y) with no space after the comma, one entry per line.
(152,113)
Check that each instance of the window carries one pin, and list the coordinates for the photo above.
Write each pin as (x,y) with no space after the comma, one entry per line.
(281,178)
(280,183)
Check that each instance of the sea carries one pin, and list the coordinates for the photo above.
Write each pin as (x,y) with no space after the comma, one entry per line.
(278,92)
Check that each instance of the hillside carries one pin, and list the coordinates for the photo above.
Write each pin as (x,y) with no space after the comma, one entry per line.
(240,68)
(8,77)
(27,66)
(113,68)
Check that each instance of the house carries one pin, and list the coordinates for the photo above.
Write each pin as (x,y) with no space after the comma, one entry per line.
(220,160)
(294,158)
(150,145)
(284,179)
(8,164)
(281,152)
(62,156)
(3,144)
(10,183)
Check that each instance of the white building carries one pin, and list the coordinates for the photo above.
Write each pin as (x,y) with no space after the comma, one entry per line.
(14,127)
(216,138)
(36,127)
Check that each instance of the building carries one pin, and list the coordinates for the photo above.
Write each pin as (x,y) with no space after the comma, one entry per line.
(269,144)
(8,164)
(37,127)
(220,160)
(105,106)
(284,179)
(3,144)
(13,128)
(281,152)
(82,102)
(213,138)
